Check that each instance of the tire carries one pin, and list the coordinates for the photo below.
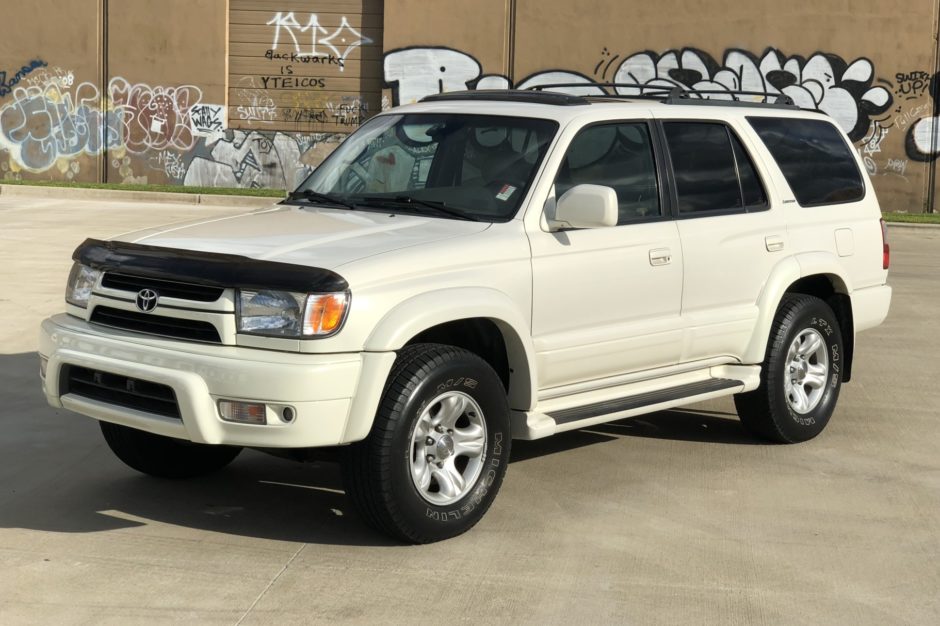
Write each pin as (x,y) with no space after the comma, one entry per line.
(805,346)
(165,457)
(389,476)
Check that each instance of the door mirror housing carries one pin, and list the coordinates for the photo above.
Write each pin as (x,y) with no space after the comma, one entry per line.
(586,206)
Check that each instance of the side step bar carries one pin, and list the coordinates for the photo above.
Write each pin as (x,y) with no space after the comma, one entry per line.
(576,414)
(646,396)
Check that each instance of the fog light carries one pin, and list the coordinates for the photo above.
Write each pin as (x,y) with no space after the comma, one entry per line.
(243,412)
(43,364)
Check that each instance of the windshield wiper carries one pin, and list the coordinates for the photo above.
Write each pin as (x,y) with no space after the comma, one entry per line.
(316,196)
(440,207)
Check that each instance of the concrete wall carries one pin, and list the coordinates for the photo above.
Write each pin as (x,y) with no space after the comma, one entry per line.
(867,63)
(256,92)
(50,69)
(155,107)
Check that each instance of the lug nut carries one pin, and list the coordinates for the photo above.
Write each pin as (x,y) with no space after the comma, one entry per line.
(440,465)
(439,428)
(429,441)
(450,431)
(430,458)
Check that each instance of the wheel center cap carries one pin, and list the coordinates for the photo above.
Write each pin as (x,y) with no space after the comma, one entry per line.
(801,369)
(445,447)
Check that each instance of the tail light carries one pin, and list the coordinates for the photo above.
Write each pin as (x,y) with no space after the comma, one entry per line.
(886,249)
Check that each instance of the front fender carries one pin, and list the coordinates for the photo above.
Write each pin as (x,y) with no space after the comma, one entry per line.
(424,311)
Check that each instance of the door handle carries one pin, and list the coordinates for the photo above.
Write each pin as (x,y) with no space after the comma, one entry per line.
(660,256)
(774,243)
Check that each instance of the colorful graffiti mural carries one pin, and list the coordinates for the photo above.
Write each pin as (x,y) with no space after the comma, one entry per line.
(163,134)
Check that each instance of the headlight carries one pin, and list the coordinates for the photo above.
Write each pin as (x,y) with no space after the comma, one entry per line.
(290,314)
(82,280)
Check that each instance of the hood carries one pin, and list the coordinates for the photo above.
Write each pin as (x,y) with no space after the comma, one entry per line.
(312,236)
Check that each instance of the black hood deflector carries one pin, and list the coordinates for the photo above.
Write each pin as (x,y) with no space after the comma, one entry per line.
(206,268)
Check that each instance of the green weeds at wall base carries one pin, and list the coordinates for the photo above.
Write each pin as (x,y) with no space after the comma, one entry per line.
(913,218)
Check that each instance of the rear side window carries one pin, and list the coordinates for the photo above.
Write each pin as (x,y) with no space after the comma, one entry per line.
(713,172)
(814,158)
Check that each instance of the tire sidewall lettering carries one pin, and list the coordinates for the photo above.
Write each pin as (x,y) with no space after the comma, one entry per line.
(443,379)
(833,348)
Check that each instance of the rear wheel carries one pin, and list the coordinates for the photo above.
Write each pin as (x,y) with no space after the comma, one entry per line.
(438,450)
(801,375)
(165,457)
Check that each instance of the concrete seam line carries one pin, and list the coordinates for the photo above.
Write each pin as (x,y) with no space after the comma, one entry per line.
(270,584)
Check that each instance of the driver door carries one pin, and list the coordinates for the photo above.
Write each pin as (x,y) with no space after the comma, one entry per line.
(606,301)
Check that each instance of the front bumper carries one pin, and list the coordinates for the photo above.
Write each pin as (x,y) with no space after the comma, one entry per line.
(333,395)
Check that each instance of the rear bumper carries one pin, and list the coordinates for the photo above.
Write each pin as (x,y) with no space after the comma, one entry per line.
(333,395)
(870,306)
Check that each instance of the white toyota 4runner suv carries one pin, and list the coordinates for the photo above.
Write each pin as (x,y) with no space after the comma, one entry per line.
(479,267)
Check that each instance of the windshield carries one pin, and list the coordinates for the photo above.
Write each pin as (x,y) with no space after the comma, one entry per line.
(442,164)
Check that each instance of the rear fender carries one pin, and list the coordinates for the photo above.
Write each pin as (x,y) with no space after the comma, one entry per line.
(784,274)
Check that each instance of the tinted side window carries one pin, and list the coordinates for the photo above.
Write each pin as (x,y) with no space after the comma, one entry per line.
(704,165)
(751,188)
(814,159)
(618,156)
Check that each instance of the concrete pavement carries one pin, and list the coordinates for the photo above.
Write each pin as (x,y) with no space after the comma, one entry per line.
(676,517)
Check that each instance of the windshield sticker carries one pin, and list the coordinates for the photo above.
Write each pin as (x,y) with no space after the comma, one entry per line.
(505,192)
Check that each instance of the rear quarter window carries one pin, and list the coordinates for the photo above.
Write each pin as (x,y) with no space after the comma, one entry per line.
(814,157)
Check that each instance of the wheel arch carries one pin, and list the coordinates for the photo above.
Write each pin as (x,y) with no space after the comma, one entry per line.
(815,274)
(484,321)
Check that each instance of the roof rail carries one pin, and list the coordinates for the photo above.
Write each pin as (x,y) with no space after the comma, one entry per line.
(509,95)
(677,94)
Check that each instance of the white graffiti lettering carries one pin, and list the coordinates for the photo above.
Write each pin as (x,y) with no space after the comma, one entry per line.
(207,118)
(340,43)
(824,82)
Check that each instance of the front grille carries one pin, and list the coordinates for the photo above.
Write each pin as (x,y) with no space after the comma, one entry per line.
(179,328)
(166,288)
(120,390)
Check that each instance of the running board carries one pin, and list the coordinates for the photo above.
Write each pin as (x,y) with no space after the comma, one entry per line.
(650,398)
(638,398)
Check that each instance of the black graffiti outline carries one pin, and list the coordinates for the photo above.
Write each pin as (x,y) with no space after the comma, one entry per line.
(910,145)
(393,85)
(779,79)
(6,88)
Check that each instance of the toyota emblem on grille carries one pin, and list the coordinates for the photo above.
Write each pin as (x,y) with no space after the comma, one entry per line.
(147,300)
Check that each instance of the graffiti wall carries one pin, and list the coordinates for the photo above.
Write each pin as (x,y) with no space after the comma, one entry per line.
(185,124)
(149,133)
(874,77)
(255,93)
(304,66)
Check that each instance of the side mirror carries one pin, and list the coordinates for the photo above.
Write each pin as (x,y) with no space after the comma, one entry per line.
(586,206)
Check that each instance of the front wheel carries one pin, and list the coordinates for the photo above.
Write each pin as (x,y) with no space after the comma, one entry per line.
(438,450)
(165,457)
(801,375)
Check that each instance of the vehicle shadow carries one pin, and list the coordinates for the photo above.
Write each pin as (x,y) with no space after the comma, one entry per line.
(695,425)
(58,475)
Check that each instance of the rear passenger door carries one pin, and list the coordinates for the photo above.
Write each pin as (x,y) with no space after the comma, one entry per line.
(606,300)
(731,234)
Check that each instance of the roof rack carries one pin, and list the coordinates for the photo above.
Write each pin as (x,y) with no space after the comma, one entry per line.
(676,94)
(510,95)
